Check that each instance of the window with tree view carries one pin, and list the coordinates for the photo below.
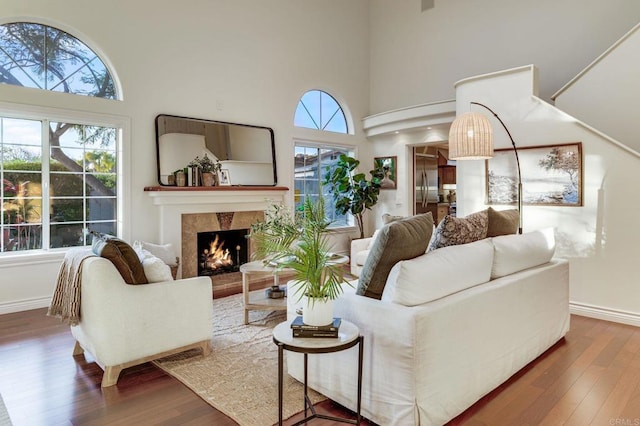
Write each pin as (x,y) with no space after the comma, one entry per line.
(59,177)
(50,197)
(311,164)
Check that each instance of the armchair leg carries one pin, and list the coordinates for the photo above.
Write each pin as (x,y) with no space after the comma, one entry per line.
(77,349)
(110,376)
(206,348)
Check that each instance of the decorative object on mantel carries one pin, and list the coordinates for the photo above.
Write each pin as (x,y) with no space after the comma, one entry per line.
(471,138)
(209,170)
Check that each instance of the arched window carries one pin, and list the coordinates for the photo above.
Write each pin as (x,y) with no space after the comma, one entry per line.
(60,169)
(43,57)
(319,110)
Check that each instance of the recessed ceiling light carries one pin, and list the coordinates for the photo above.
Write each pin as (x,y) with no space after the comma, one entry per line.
(428,128)
(397,132)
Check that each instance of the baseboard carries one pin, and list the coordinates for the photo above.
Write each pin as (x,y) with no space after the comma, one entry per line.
(24,305)
(606,314)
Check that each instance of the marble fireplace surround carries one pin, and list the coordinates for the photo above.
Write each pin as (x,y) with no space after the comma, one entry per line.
(186,211)
(210,222)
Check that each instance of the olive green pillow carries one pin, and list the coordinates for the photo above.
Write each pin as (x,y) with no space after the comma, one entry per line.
(502,222)
(122,255)
(401,239)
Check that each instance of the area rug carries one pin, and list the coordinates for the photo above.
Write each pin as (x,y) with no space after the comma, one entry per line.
(240,376)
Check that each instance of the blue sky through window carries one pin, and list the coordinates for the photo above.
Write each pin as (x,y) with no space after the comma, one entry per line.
(319,110)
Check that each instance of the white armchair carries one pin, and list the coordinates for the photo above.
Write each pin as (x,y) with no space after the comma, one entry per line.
(122,325)
(359,252)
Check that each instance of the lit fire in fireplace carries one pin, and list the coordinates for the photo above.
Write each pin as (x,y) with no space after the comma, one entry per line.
(216,257)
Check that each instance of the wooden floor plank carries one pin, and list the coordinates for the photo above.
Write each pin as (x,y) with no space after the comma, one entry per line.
(593,375)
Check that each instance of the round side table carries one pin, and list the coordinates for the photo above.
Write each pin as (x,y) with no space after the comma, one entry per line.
(348,337)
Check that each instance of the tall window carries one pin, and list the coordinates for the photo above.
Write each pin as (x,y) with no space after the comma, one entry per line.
(311,164)
(319,110)
(59,177)
(57,186)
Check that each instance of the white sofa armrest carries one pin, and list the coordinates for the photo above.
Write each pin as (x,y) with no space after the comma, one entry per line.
(120,322)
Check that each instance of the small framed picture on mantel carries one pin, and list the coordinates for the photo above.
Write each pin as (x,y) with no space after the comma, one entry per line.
(224,178)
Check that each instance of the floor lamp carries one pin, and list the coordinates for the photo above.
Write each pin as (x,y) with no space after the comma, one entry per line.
(471,138)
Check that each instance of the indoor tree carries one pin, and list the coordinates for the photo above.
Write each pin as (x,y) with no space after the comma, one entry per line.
(352,192)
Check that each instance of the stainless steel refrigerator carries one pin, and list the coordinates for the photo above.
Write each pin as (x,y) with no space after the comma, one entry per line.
(425,166)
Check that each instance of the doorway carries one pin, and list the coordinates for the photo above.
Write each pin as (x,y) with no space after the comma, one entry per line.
(434,181)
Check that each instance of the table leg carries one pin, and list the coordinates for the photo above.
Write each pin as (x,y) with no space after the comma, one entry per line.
(245,296)
(280,381)
(360,354)
(306,398)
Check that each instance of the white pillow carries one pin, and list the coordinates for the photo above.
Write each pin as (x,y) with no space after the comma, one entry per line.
(163,251)
(156,270)
(373,239)
(439,273)
(513,253)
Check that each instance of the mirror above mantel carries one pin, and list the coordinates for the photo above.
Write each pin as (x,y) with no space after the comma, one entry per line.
(247,152)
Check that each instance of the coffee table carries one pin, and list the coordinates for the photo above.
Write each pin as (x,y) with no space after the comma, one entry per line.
(348,337)
(258,300)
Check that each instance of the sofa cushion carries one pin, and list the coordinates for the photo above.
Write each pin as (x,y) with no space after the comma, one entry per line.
(513,253)
(399,240)
(163,251)
(122,255)
(502,222)
(439,273)
(460,230)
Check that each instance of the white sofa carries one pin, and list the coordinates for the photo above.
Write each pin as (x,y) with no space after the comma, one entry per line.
(122,325)
(452,325)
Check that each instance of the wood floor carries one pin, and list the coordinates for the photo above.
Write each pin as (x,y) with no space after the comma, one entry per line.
(590,377)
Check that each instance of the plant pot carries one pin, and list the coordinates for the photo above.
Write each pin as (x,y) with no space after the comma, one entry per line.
(208,179)
(317,311)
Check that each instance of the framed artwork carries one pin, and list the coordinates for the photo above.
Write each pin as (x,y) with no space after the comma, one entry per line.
(224,178)
(551,175)
(389,165)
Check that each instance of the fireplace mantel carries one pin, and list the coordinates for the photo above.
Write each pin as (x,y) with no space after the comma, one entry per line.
(167,195)
(174,202)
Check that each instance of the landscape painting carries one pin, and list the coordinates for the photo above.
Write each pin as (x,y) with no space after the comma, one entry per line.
(551,175)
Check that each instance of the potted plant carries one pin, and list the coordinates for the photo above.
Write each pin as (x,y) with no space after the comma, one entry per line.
(353,193)
(209,170)
(300,245)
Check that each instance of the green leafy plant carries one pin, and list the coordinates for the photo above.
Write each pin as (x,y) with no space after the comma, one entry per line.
(207,165)
(300,244)
(353,193)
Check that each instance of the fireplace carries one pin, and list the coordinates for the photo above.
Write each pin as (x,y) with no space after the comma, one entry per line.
(222,252)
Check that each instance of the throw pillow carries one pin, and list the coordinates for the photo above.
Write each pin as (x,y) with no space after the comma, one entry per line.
(155,269)
(399,240)
(452,230)
(502,222)
(513,253)
(163,251)
(122,255)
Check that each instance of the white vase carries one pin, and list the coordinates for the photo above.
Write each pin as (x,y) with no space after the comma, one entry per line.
(317,311)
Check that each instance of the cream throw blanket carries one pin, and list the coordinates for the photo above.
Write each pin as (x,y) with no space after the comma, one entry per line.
(65,303)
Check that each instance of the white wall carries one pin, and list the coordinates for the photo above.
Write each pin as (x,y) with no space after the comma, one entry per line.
(239,61)
(416,57)
(598,238)
(611,85)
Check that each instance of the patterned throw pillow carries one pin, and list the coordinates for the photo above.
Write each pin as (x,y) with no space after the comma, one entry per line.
(122,255)
(452,231)
(399,240)
(502,222)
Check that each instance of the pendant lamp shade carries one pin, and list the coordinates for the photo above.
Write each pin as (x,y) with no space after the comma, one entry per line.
(471,137)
